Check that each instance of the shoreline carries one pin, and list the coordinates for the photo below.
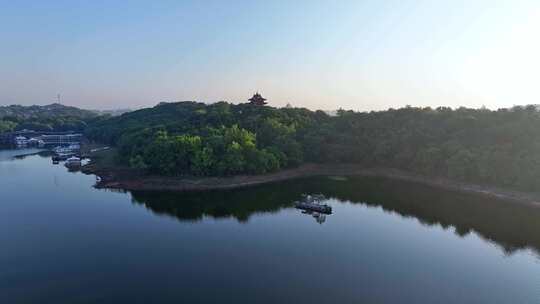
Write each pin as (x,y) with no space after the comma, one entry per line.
(129,179)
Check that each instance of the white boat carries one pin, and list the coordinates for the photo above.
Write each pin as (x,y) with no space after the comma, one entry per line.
(73,162)
(35,142)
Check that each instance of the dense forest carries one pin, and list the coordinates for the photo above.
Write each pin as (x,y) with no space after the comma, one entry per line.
(53,117)
(187,138)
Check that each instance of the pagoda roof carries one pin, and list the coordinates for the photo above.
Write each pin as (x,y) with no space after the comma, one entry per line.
(257,97)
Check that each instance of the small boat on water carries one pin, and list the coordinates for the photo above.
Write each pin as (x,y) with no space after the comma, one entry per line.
(314,203)
(61,156)
(73,162)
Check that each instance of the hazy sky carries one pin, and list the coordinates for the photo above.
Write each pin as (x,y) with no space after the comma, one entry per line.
(363,55)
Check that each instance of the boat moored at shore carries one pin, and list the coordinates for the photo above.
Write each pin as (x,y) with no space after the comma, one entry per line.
(73,162)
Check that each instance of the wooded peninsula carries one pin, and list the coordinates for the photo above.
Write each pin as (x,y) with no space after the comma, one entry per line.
(190,139)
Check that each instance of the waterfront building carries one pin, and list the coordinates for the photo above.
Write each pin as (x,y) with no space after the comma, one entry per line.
(61,139)
(21,141)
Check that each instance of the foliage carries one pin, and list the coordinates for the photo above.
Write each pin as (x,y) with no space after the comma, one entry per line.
(497,147)
(6,126)
(54,117)
(199,139)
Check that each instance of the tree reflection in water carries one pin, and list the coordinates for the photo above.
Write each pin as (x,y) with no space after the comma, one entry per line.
(510,225)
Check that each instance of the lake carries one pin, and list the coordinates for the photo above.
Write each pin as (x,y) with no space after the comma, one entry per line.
(63,241)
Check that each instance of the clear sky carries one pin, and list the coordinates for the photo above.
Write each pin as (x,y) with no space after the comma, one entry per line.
(362,55)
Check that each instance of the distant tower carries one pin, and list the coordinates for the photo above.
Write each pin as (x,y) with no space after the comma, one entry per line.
(58,98)
(257,100)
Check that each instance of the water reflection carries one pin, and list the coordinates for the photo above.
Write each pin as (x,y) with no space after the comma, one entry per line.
(319,217)
(237,204)
(109,248)
(11,154)
(511,226)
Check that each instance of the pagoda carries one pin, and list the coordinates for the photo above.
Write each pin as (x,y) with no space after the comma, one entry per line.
(257,100)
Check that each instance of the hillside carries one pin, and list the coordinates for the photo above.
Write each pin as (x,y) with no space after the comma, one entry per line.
(53,117)
(51,110)
(216,139)
(499,148)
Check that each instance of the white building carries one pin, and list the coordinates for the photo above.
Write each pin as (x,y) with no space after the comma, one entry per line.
(21,141)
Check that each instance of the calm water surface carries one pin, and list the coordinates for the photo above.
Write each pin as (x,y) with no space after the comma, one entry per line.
(63,241)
